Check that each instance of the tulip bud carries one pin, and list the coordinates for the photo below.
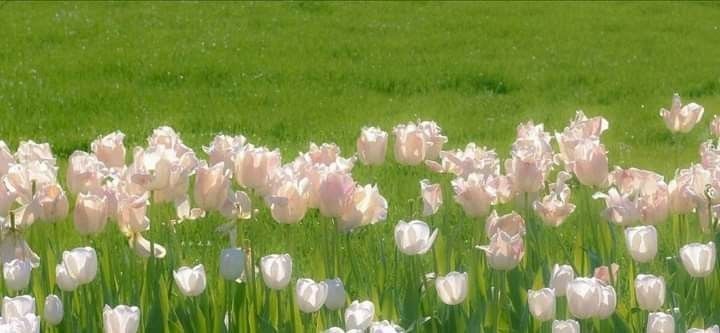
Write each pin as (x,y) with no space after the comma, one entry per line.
(414,237)
(335,193)
(372,145)
(452,288)
(310,295)
(110,149)
(232,263)
(642,243)
(562,275)
(17,274)
(591,165)
(91,214)
(212,184)
(17,307)
(504,251)
(190,281)
(132,214)
(542,303)
(53,312)
(276,270)
(432,197)
(29,323)
(336,294)
(63,279)
(583,297)
(359,315)
(565,326)
(81,264)
(650,292)
(659,322)
(698,259)
(121,319)
(711,329)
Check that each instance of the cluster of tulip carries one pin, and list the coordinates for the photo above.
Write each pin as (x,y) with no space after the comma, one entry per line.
(106,188)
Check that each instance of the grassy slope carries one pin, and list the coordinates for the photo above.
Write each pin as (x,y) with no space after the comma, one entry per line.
(287,74)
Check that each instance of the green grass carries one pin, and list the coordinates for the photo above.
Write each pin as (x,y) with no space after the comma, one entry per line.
(286,74)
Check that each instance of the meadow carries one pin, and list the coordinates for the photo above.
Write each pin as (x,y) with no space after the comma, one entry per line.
(287,74)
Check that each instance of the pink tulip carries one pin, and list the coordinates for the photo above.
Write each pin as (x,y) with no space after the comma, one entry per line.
(591,163)
(110,149)
(476,194)
(681,118)
(555,207)
(372,145)
(288,202)
(504,251)
(464,162)
(432,197)
(620,209)
(90,214)
(367,206)
(85,172)
(512,224)
(434,139)
(222,148)
(335,193)
(410,144)
(212,184)
(254,167)
(52,202)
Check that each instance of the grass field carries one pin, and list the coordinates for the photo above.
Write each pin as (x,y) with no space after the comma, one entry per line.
(287,74)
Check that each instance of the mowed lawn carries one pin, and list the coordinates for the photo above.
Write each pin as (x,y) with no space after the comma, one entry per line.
(287,74)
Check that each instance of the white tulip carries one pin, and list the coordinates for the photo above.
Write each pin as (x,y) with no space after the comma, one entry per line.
(384,327)
(372,145)
(16,307)
(583,297)
(698,259)
(232,263)
(276,270)
(642,243)
(17,274)
(542,303)
(81,264)
(310,295)
(63,279)
(121,319)
(452,288)
(711,329)
(359,315)
(53,310)
(336,294)
(659,322)
(565,326)
(190,280)
(650,292)
(562,275)
(608,302)
(29,323)
(414,237)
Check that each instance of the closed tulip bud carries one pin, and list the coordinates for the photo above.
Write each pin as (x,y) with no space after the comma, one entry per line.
(432,197)
(63,279)
(591,165)
(359,315)
(53,310)
(232,263)
(698,259)
(562,275)
(30,151)
(512,224)
(565,326)
(452,288)
(336,294)
(310,295)
(212,184)
(91,214)
(659,322)
(542,303)
(81,264)
(583,297)
(190,280)
(17,307)
(110,149)
(121,319)
(414,237)
(276,270)
(650,292)
(434,137)
(681,118)
(642,243)
(335,193)
(711,329)
(504,251)
(372,145)
(17,274)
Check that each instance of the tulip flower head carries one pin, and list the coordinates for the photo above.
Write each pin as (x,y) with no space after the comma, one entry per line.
(121,319)
(504,251)
(310,295)
(16,274)
(650,292)
(81,264)
(642,243)
(452,288)
(659,322)
(565,326)
(432,197)
(542,303)
(232,263)
(414,237)
(681,118)
(53,310)
(276,270)
(336,294)
(191,281)
(698,259)
(562,275)
(359,315)
(372,146)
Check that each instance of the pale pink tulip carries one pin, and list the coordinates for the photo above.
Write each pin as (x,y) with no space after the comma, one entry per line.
(555,207)
(212,184)
(591,163)
(222,148)
(85,172)
(132,214)
(52,203)
(29,151)
(512,224)
(410,144)
(90,214)
(432,197)
(288,202)
(620,209)
(110,149)
(434,139)
(476,193)
(335,193)
(372,145)
(504,251)
(681,118)
(367,206)
(254,167)
(6,158)
(464,162)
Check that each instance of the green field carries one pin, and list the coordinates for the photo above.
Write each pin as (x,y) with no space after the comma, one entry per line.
(287,74)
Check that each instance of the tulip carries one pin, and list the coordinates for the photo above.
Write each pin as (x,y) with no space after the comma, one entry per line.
(17,307)
(621,209)
(562,275)
(681,199)
(542,303)
(526,170)
(237,205)
(52,203)
(359,315)
(512,224)
(121,319)
(584,297)
(650,292)
(659,322)
(212,184)
(591,165)
(372,145)
(608,302)
(310,295)
(435,140)
(289,202)
(555,207)
(711,329)
(698,259)
(336,294)
(472,159)
(110,149)
(232,263)
(90,214)
(53,310)
(603,273)
(132,214)
(190,281)
(29,151)
(681,118)
(642,243)
(335,193)
(63,279)
(476,193)
(276,270)
(565,326)
(410,143)
(81,264)
(414,237)
(17,274)
(334,330)
(6,158)
(384,327)
(432,197)
(222,149)
(167,138)
(29,323)
(367,206)
(715,126)
(85,172)
(452,288)
(504,251)
(254,167)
